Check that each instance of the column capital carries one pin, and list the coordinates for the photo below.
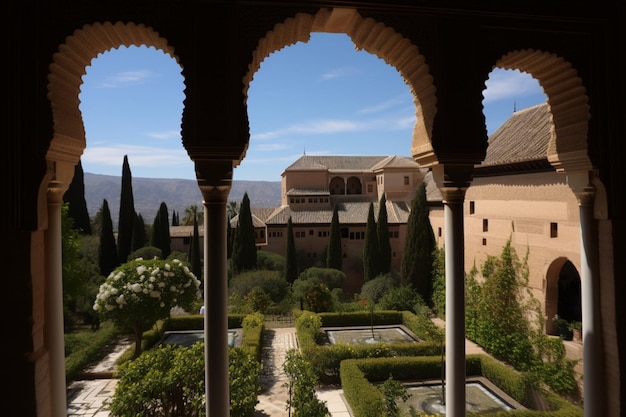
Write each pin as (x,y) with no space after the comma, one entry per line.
(215,179)
(453,180)
(581,183)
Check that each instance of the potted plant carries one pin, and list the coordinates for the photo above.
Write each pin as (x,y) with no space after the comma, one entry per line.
(576,327)
(562,327)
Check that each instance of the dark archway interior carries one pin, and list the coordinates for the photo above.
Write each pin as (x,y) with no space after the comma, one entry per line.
(569,293)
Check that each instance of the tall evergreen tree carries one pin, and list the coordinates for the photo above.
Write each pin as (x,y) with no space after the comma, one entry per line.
(244,248)
(382,231)
(195,257)
(175,220)
(334,253)
(419,247)
(291,261)
(75,198)
(371,265)
(107,251)
(127,214)
(140,237)
(229,240)
(161,231)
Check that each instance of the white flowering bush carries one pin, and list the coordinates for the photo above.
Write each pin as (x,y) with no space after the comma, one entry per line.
(140,292)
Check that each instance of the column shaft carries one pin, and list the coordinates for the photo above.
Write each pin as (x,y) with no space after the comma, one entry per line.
(455,309)
(54,329)
(592,356)
(216,314)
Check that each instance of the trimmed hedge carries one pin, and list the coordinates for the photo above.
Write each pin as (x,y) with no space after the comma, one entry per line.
(326,359)
(358,377)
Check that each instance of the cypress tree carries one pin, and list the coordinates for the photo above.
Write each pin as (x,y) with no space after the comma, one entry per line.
(175,221)
(127,214)
(419,247)
(75,198)
(229,240)
(196,266)
(382,231)
(334,257)
(244,248)
(291,261)
(161,231)
(371,265)
(107,251)
(140,237)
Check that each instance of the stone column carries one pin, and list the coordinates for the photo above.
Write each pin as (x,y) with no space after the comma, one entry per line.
(54,329)
(453,182)
(593,365)
(215,184)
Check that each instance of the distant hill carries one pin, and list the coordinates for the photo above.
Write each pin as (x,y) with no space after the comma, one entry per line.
(148,193)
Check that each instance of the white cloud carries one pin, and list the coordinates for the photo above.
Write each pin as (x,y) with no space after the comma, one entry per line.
(385,105)
(336,73)
(332,126)
(165,135)
(138,156)
(125,79)
(510,84)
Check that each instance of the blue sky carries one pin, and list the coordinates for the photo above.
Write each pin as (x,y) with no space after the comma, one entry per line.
(322,97)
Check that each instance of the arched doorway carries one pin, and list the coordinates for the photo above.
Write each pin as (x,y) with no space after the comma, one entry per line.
(569,299)
(563,293)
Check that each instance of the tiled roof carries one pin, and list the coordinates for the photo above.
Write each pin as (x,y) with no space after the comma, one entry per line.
(400,162)
(524,137)
(335,163)
(308,191)
(349,213)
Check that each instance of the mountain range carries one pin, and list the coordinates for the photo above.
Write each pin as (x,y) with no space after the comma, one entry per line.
(178,194)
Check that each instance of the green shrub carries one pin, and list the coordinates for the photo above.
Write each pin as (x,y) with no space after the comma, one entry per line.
(169,381)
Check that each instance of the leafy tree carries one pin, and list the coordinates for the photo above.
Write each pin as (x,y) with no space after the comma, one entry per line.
(140,292)
(382,231)
(393,390)
(193,212)
(419,246)
(270,261)
(140,236)
(147,252)
(314,294)
(244,247)
(329,276)
(195,257)
(271,282)
(76,273)
(232,209)
(75,198)
(374,289)
(439,283)
(127,214)
(301,381)
(161,231)
(505,318)
(371,250)
(334,254)
(291,266)
(169,381)
(402,298)
(107,253)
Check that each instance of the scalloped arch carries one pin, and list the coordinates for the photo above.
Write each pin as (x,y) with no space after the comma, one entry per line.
(568,103)
(67,69)
(374,37)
